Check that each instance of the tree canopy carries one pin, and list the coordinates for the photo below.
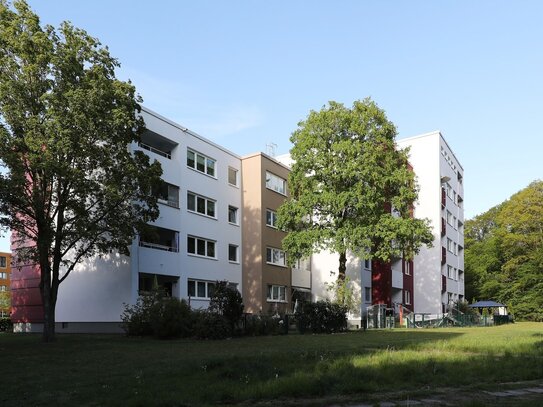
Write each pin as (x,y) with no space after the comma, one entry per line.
(351,188)
(504,254)
(73,189)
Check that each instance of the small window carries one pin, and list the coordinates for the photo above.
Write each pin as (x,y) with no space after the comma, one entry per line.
(201,163)
(232,176)
(275,183)
(408,268)
(200,289)
(3,261)
(275,256)
(3,288)
(271,218)
(407,295)
(277,293)
(200,204)
(201,247)
(233,253)
(303,264)
(450,245)
(367,264)
(232,214)
(367,294)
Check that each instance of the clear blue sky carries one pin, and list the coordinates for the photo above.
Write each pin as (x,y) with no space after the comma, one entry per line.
(244,73)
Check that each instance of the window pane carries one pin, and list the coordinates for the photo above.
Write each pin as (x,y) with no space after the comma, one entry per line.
(282,294)
(268,255)
(211,167)
(190,158)
(191,245)
(232,176)
(191,202)
(210,289)
(269,296)
(211,208)
(269,218)
(200,162)
(201,289)
(201,249)
(201,205)
(192,288)
(275,292)
(232,214)
(211,249)
(232,253)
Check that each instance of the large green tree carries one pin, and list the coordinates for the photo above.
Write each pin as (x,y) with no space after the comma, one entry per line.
(347,176)
(504,253)
(72,189)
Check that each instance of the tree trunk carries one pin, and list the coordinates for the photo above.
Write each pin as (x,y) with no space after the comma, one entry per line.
(341,276)
(49,300)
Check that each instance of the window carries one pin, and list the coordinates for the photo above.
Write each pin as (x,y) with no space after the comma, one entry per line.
(275,256)
(271,218)
(233,253)
(455,248)
(303,264)
(3,261)
(201,163)
(232,214)
(200,204)
(275,183)
(201,247)
(3,276)
(277,293)
(367,294)
(407,295)
(3,288)
(408,268)
(450,218)
(200,289)
(455,223)
(367,264)
(450,245)
(451,272)
(450,297)
(232,176)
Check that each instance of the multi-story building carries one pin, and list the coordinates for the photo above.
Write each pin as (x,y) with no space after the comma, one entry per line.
(195,241)
(269,284)
(439,277)
(5,285)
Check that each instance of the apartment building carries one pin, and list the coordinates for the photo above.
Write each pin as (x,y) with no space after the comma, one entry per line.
(439,278)
(5,284)
(195,241)
(270,286)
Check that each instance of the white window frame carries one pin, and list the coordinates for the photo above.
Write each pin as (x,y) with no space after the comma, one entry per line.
(236,247)
(3,262)
(367,264)
(407,268)
(206,247)
(273,216)
(236,215)
(450,272)
(302,264)
(208,163)
(367,294)
(450,218)
(281,293)
(450,247)
(273,253)
(236,175)
(3,275)
(207,201)
(207,285)
(407,296)
(273,181)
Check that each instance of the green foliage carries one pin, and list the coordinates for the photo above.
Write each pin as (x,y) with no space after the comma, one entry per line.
(6,325)
(73,187)
(347,173)
(342,293)
(504,254)
(321,317)
(227,302)
(210,325)
(258,325)
(157,315)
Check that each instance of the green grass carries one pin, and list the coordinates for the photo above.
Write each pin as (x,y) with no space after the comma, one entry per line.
(98,370)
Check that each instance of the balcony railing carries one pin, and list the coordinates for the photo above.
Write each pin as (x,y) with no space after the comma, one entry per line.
(170,202)
(159,246)
(155,150)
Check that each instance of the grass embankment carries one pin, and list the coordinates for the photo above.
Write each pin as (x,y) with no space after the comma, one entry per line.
(100,370)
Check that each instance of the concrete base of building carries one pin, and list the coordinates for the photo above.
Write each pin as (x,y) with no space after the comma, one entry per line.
(71,327)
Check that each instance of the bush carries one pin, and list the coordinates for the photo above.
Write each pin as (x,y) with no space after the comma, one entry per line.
(257,325)
(210,325)
(321,317)
(226,301)
(155,314)
(6,325)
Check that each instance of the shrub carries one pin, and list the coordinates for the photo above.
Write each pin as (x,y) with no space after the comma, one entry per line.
(321,317)
(210,325)
(226,301)
(257,325)
(6,325)
(171,318)
(136,319)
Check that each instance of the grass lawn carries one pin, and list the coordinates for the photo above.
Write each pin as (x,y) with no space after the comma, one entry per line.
(104,370)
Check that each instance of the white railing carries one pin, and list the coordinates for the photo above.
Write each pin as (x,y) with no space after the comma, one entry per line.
(169,202)
(159,246)
(155,150)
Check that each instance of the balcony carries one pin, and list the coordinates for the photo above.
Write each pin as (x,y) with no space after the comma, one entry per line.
(443,227)
(160,239)
(443,284)
(443,255)
(157,144)
(167,194)
(443,197)
(147,283)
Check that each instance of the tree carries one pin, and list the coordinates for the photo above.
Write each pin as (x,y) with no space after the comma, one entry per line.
(226,301)
(73,189)
(347,176)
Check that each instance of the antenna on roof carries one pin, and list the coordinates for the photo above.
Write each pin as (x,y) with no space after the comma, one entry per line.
(270,149)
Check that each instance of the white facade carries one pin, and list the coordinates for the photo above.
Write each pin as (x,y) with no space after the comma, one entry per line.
(97,289)
(438,280)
